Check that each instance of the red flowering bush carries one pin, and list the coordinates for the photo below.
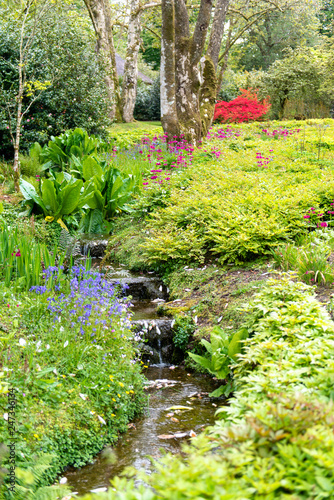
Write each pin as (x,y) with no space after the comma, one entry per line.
(244,108)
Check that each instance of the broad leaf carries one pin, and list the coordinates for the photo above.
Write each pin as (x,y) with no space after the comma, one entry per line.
(49,196)
(70,196)
(90,167)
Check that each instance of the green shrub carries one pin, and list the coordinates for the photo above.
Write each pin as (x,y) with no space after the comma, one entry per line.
(64,53)
(147,105)
(66,150)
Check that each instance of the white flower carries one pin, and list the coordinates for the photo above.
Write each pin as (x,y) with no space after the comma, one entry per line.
(22,342)
(55,371)
(83,396)
(102,420)
(5,416)
(63,480)
(47,346)
(61,328)
(66,343)
(39,343)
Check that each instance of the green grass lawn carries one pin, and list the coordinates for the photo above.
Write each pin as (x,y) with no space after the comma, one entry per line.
(122,127)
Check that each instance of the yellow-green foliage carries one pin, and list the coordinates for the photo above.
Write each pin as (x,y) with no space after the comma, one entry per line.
(237,208)
(128,138)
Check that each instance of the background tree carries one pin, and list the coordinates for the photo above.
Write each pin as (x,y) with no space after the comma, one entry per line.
(192,62)
(326,18)
(267,40)
(28,16)
(100,12)
(104,18)
(63,52)
(300,79)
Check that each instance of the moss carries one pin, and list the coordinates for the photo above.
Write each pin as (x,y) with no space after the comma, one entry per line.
(208,95)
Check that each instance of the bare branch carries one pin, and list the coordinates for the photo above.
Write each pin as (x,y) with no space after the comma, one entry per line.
(152,31)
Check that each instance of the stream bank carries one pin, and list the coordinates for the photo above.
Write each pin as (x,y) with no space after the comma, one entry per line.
(160,428)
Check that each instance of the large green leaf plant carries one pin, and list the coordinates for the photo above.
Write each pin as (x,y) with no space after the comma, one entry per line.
(56,197)
(223,350)
(111,193)
(67,151)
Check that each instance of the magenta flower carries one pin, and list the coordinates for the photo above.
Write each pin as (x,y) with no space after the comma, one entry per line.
(323,224)
(18,254)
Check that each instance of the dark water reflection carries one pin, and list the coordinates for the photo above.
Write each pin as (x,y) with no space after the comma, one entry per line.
(134,446)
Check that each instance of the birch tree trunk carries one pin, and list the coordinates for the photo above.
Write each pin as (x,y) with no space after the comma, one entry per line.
(16,164)
(129,88)
(100,14)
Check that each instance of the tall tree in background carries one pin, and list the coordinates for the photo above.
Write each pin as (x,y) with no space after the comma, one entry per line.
(104,19)
(29,14)
(100,13)
(190,75)
(130,78)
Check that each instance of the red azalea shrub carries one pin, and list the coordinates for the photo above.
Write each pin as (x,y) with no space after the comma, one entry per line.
(244,108)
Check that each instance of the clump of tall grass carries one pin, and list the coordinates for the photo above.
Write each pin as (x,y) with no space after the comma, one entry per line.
(309,257)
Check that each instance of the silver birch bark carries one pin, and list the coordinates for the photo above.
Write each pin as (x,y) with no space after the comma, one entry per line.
(100,14)
(129,88)
(26,41)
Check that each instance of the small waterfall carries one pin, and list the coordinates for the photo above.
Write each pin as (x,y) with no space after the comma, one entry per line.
(85,249)
(159,351)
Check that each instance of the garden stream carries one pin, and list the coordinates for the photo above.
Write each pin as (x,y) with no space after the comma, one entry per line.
(162,426)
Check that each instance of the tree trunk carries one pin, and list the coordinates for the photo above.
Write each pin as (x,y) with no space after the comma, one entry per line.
(16,165)
(188,94)
(187,78)
(129,89)
(100,14)
(210,82)
(169,118)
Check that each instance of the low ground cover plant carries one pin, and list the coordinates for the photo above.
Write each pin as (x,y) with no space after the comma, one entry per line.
(275,438)
(74,368)
(235,205)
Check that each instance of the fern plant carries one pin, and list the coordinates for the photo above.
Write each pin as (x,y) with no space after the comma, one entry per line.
(223,352)
(29,480)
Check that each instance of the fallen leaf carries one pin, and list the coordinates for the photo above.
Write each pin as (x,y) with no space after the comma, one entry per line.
(179,408)
(166,436)
(180,434)
(173,419)
(170,415)
(192,434)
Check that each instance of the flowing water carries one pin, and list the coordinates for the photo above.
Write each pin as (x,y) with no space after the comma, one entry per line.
(142,439)
(161,427)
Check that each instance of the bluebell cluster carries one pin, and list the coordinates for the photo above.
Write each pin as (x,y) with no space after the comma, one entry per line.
(90,297)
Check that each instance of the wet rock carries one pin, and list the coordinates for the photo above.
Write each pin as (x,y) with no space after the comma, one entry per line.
(159,336)
(149,354)
(144,288)
(95,245)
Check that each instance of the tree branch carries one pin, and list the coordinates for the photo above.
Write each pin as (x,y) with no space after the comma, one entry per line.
(200,31)
(152,31)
